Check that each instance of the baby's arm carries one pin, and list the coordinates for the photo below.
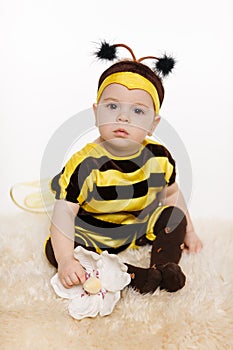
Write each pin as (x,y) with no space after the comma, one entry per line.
(174,197)
(70,271)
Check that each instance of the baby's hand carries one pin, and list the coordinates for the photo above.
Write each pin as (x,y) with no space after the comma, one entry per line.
(71,272)
(192,242)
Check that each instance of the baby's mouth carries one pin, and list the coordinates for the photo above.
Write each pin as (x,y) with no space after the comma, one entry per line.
(121,132)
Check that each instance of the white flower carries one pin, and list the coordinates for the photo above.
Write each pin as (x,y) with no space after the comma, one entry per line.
(112,275)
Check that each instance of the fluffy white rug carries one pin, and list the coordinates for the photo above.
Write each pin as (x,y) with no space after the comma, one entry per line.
(200,316)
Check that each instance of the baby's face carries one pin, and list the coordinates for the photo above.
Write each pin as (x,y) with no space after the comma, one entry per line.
(124,116)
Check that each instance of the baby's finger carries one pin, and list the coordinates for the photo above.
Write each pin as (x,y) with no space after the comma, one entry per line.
(74,278)
(82,276)
(67,282)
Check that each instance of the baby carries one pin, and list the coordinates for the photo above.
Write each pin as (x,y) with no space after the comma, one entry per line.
(120,191)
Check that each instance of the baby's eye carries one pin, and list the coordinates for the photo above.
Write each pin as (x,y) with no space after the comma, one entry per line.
(138,111)
(112,106)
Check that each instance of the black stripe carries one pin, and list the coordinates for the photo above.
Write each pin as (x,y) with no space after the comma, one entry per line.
(107,230)
(127,165)
(88,218)
(106,193)
(137,190)
(157,180)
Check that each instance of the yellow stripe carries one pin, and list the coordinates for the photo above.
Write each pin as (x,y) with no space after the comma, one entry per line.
(131,204)
(131,81)
(103,240)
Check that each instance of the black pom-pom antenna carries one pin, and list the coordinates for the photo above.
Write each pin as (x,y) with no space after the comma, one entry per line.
(165,64)
(106,51)
(162,65)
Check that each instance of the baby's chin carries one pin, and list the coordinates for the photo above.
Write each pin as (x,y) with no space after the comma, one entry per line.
(121,147)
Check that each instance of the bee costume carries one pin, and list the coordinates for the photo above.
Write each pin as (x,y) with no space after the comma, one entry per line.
(120,197)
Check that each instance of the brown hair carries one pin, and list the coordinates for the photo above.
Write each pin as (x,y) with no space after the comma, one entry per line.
(135,67)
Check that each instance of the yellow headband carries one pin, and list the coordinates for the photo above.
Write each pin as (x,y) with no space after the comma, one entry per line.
(131,81)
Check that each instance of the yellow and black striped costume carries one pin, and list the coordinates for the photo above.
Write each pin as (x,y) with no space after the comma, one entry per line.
(118,197)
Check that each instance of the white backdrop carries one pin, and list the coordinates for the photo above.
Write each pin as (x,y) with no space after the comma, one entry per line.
(48,74)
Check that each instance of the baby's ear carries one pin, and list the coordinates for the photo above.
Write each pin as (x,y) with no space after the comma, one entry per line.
(154,125)
(94,106)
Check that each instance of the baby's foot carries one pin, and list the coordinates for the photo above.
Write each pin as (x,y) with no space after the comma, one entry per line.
(173,278)
(153,281)
(144,280)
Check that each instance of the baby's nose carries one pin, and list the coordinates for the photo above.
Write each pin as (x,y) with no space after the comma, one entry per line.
(123,117)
